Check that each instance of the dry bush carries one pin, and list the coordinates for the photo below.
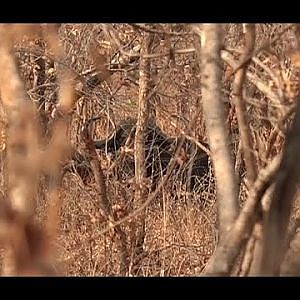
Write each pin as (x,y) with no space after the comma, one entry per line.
(181,228)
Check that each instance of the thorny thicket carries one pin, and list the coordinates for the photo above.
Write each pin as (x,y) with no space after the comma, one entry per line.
(66,85)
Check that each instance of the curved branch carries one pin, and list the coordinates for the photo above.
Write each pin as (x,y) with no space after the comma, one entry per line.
(240,106)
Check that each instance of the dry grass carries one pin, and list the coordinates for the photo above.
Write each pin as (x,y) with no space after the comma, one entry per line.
(174,245)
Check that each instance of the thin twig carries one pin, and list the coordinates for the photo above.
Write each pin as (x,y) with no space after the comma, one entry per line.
(162,32)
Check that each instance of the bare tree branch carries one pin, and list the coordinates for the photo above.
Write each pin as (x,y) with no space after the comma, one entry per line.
(291,263)
(265,45)
(213,107)
(27,243)
(240,106)
(146,29)
(111,35)
(280,209)
(104,203)
(139,144)
(253,78)
(226,253)
(286,182)
(244,131)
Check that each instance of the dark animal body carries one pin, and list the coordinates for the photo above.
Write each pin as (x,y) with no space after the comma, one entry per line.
(159,150)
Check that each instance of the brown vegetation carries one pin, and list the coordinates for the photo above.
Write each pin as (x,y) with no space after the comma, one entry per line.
(202,180)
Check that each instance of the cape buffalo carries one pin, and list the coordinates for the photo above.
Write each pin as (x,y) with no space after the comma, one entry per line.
(159,149)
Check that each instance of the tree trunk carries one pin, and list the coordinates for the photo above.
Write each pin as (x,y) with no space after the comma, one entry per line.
(213,107)
(139,148)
